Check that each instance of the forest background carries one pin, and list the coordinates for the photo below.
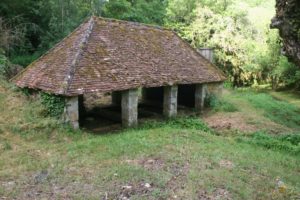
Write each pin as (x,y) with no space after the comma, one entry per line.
(246,49)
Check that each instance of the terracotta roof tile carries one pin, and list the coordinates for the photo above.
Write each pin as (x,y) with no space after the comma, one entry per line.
(109,55)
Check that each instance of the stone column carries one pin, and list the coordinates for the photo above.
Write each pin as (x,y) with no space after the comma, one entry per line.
(116,98)
(170,101)
(71,113)
(130,108)
(200,93)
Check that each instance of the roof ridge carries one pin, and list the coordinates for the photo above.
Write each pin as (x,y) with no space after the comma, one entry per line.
(47,52)
(82,43)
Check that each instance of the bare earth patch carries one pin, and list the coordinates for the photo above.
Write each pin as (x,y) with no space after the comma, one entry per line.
(147,163)
(229,121)
(136,189)
(239,121)
(177,182)
(226,164)
(218,194)
(2,89)
(179,172)
(49,188)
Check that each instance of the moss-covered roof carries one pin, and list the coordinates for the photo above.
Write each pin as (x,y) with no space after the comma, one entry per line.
(110,55)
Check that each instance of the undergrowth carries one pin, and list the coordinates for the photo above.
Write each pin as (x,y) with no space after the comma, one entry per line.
(24,60)
(3,65)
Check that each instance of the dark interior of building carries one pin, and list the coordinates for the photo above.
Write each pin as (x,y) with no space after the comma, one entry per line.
(102,112)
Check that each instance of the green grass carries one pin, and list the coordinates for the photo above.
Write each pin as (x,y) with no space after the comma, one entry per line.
(222,105)
(178,123)
(289,143)
(278,111)
(180,157)
(291,97)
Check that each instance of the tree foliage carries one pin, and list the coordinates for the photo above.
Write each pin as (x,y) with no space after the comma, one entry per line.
(245,48)
(150,12)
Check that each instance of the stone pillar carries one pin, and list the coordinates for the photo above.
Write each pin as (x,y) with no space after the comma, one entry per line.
(130,108)
(71,113)
(116,97)
(170,101)
(200,93)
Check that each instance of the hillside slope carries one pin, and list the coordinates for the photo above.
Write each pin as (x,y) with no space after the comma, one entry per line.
(178,159)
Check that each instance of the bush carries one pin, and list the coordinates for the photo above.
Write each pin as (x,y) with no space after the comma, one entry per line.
(3,65)
(292,138)
(53,103)
(24,60)
(7,69)
(288,73)
(218,104)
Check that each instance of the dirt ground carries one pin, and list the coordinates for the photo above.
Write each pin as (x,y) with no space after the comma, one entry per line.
(238,121)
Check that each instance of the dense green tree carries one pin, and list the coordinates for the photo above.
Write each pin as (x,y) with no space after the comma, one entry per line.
(150,12)
(245,48)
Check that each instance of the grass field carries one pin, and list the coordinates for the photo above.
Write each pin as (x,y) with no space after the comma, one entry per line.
(288,96)
(244,154)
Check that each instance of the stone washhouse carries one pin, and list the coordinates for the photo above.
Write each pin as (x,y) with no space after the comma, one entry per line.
(119,57)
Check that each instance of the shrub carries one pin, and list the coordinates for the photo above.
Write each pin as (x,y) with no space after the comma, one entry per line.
(3,65)
(292,138)
(53,103)
(24,60)
(7,69)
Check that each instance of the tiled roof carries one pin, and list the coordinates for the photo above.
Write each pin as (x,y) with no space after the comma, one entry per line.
(110,55)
